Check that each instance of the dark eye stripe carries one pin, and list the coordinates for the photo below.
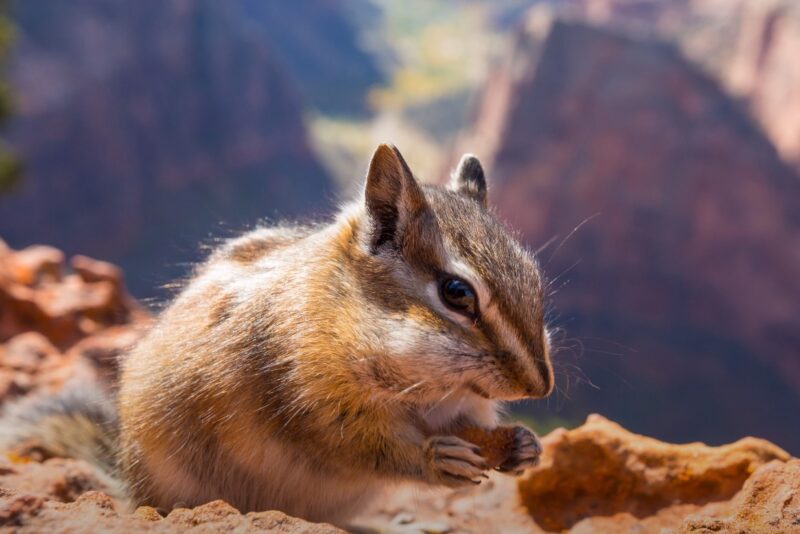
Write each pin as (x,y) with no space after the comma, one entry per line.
(459,296)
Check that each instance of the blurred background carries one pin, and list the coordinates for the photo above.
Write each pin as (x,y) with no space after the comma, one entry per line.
(648,150)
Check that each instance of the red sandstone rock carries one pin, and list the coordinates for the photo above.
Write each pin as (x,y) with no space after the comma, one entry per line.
(33,264)
(768,502)
(91,270)
(602,479)
(56,327)
(54,479)
(29,362)
(763,69)
(750,46)
(35,296)
(97,512)
(71,495)
(26,352)
(600,469)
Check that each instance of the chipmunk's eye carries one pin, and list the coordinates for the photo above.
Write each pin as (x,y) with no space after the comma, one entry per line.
(459,296)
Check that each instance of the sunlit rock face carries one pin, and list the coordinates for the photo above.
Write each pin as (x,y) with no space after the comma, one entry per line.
(601,469)
(61,321)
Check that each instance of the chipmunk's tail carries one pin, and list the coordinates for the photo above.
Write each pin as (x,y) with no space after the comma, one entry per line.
(79,422)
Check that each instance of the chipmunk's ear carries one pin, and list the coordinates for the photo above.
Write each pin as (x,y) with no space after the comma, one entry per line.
(392,196)
(469,179)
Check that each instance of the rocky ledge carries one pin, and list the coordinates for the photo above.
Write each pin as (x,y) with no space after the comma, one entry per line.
(61,321)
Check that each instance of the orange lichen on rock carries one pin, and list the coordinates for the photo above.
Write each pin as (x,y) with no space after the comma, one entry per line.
(601,469)
(496,444)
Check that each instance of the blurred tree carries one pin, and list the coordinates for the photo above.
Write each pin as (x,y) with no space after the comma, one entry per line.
(10,168)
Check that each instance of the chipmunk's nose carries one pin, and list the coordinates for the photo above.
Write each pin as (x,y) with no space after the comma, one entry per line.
(522,356)
(532,378)
(545,368)
(542,382)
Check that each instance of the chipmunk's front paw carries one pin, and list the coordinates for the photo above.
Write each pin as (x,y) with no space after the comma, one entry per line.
(525,452)
(454,462)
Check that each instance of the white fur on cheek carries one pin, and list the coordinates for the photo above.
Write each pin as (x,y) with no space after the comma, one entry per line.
(510,337)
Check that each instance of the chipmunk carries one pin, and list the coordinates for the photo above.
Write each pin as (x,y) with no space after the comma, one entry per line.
(305,367)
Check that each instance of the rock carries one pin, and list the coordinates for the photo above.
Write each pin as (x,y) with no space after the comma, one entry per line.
(54,479)
(91,270)
(104,350)
(30,363)
(762,70)
(601,469)
(218,516)
(148,513)
(34,264)
(97,512)
(71,496)
(768,502)
(56,327)
(26,352)
(673,231)
(662,522)
(750,46)
(64,309)
(492,506)
(15,508)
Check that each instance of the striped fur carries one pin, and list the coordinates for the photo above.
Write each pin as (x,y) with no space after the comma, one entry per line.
(78,422)
(304,368)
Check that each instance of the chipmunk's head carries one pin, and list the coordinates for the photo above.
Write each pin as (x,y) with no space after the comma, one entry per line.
(459,299)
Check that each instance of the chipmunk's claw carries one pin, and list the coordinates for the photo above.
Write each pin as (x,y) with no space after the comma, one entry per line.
(526,452)
(454,462)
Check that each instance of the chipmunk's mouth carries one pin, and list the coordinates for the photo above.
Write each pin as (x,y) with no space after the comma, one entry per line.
(510,378)
(507,391)
(501,395)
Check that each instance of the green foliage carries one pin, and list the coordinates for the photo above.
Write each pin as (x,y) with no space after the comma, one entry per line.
(440,48)
(543,425)
(10,168)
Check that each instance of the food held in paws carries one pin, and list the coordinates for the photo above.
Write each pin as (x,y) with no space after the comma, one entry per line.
(496,445)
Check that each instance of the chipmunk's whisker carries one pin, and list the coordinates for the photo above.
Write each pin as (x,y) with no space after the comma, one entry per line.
(569,235)
(440,401)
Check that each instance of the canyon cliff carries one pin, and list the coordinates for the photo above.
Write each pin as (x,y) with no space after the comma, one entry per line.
(672,225)
(147,127)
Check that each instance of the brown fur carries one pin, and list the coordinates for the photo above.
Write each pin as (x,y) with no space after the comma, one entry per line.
(323,351)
